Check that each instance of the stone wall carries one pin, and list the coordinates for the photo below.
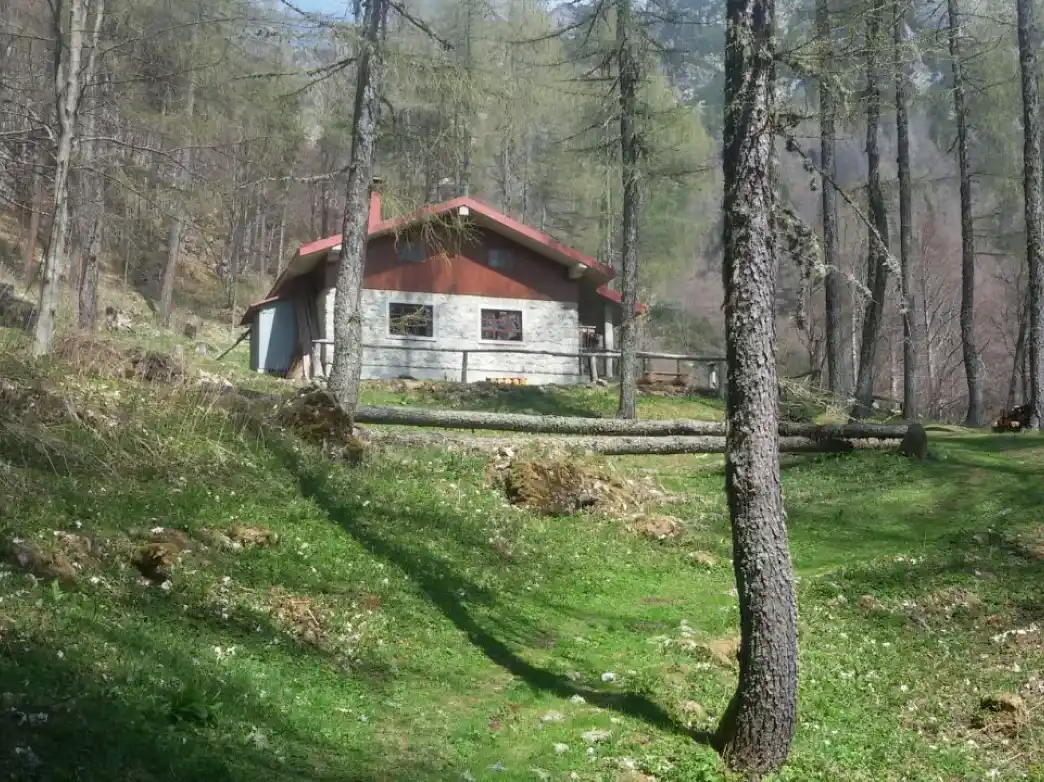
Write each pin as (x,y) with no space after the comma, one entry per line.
(546,325)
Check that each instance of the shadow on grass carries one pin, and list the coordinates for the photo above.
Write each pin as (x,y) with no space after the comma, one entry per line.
(374,528)
(64,719)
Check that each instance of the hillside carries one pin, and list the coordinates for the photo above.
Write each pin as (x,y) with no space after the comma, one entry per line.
(403,620)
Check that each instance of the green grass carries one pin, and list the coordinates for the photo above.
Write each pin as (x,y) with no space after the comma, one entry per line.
(456,630)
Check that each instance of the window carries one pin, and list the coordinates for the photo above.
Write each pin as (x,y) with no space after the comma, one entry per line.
(411,320)
(500,258)
(504,325)
(411,250)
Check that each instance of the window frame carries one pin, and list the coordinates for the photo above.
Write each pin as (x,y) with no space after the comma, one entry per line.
(404,242)
(521,326)
(407,336)
(505,253)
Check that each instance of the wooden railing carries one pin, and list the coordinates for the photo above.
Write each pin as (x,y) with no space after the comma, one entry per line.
(715,364)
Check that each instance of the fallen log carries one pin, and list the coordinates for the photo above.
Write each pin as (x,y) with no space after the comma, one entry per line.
(610,446)
(552,424)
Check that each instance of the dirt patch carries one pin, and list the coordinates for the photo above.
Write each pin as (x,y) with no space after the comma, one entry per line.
(723,651)
(872,605)
(658,527)
(949,602)
(174,539)
(252,537)
(1031,544)
(156,561)
(1001,713)
(299,616)
(703,558)
(41,563)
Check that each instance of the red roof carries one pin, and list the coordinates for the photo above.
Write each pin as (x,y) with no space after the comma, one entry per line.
(309,254)
(614,296)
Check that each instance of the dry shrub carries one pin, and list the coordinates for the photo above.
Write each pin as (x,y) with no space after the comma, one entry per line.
(564,487)
(315,417)
(40,562)
(33,403)
(657,527)
(87,355)
(1001,713)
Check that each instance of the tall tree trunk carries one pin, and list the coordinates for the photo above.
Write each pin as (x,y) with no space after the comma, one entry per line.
(832,284)
(757,727)
(282,236)
(630,143)
(877,266)
(88,283)
(175,234)
(68,53)
(35,206)
(466,114)
(1031,177)
(972,361)
(1019,359)
(346,373)
(902,132)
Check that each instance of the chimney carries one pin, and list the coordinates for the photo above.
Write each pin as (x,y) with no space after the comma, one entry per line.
(375,204)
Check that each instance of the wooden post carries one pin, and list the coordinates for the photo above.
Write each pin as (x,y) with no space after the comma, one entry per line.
(723,390)
(464,366)
(593,363)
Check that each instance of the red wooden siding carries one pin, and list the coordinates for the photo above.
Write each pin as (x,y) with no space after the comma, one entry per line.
(464,270)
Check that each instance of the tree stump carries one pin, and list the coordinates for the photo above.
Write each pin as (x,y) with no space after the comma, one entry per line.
(915,444)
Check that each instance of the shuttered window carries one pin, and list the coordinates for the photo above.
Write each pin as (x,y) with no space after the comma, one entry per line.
(502,325)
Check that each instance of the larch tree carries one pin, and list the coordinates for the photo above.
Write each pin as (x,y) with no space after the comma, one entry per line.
(1034,207)
(877,228)
(833,283)
(756,730)
(972,361)
(346,372)
(629,78)
(93,221)
(70,19)
(902,135)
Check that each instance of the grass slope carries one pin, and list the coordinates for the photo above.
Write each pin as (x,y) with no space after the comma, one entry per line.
(411,625)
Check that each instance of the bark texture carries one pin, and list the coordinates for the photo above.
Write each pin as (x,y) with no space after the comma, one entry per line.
(1019,359)
(347,360)
(1031,173)
(756,729)
(176,231)
(832,285)
(630,148)
(902,131)
(69,51)
(877,239)
(94,188)
(972,361)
